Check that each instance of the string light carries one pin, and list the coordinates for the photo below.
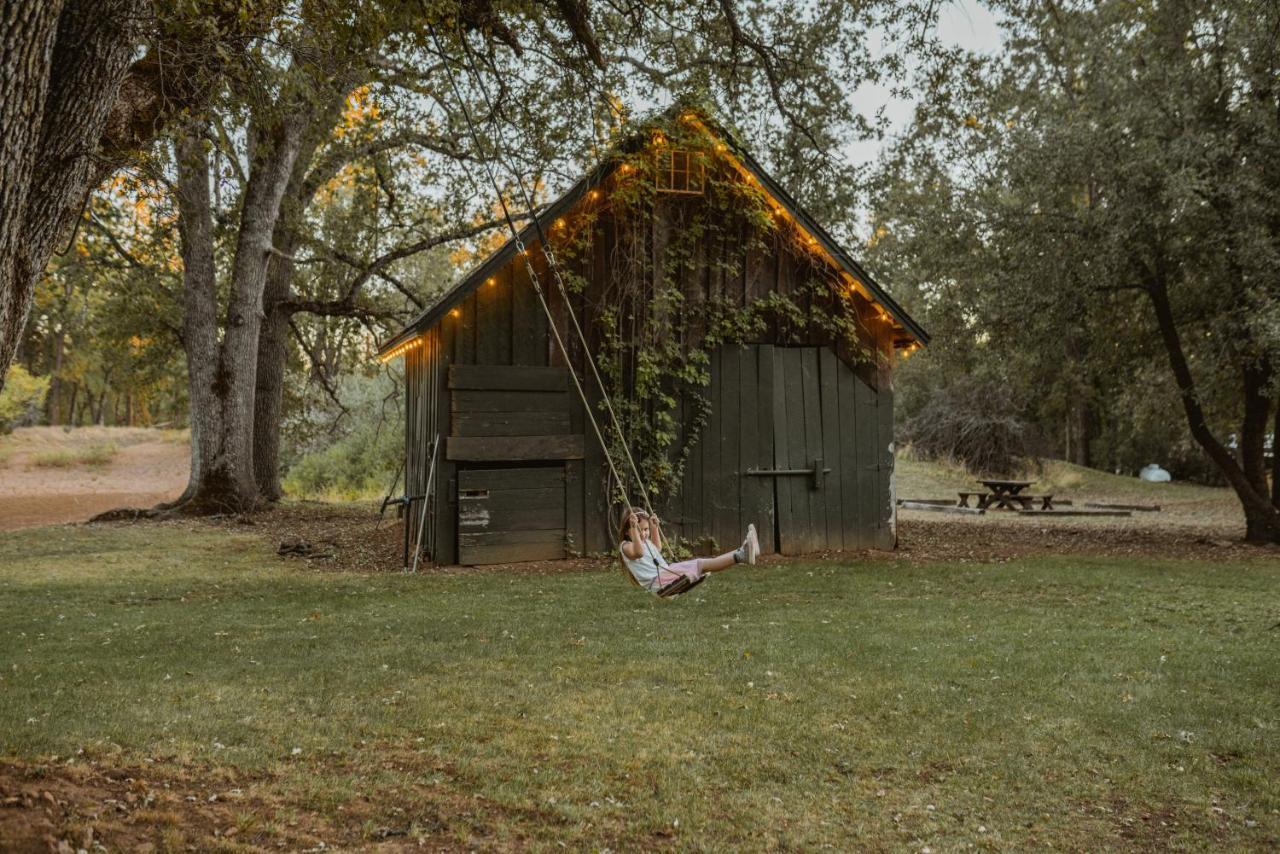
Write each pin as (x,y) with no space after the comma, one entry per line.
(455,313)
(401,349)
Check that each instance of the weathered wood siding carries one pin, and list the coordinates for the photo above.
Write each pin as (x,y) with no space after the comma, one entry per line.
(781,404)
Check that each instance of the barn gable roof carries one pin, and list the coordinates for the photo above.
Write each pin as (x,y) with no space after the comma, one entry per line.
(465,286)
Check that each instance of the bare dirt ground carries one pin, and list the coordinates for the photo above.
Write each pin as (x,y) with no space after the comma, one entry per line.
(147,467)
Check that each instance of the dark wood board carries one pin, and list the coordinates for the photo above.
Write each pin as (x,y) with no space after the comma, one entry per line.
(488,332)
(729,507)
(829,370)
(446,528)
(522,477)
(511,423)
(749,488)
(508,377)
(884,451)
(466,400)
(781,456)
(476,515)
(464,346)
(499,538)
(574,520)
(765,490)
(868,466)
(503,448)
(711,456)
(511,499)
(484,555)
(794,509)
(813,449)
(528,323)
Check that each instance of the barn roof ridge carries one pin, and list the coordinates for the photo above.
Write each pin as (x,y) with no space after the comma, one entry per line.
(596,175)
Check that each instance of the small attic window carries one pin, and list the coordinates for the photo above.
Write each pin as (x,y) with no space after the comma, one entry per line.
(680,171)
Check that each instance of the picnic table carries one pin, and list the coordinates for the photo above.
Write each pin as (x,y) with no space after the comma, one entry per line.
(1005,495)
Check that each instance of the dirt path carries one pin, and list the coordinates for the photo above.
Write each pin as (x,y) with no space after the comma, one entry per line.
(43,480)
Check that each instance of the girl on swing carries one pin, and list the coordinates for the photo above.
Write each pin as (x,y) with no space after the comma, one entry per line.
(641,538)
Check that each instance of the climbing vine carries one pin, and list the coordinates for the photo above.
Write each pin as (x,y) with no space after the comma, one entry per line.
(659,307)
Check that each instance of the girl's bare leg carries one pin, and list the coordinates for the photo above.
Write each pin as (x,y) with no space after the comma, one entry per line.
(715,564)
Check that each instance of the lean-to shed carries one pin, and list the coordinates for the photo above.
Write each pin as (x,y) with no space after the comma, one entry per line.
(749,355)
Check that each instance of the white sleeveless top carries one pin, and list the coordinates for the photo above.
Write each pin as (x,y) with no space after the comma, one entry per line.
(646,567)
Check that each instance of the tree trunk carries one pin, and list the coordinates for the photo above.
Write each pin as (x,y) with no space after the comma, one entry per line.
(76,100)
(64,63)
(273,341)
(1081,422)
(27,32)
(210,485)
(223,377)
(1262,517)
(1253,428)
(273,354)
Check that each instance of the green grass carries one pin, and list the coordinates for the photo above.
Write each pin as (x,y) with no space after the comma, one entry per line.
(1086,702)
(100,454)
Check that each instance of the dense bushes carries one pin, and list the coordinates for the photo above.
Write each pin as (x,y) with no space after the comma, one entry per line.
(972,422)
(345,455)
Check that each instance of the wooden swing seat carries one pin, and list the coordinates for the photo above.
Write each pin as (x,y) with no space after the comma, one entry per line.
(679,586)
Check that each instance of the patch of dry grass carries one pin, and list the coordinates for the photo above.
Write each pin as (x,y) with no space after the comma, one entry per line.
(86,455)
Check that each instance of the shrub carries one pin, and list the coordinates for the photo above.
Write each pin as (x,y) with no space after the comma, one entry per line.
(20,398)
(359,465)
(972,422)
(347,456)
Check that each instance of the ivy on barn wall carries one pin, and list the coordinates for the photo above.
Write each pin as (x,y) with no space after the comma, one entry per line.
(661,306)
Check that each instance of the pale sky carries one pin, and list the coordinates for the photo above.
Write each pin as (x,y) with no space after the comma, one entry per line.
(961,23)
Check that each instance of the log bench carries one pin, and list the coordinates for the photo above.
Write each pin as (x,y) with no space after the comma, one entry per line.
(1046,501)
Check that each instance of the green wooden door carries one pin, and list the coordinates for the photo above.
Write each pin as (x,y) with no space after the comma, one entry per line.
(829,474)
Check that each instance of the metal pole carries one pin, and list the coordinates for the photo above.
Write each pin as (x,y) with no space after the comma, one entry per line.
(426,499)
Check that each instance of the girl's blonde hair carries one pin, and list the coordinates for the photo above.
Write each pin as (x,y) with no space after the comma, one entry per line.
(624,531)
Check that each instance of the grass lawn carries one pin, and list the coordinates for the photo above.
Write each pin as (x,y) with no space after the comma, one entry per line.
(1083,702)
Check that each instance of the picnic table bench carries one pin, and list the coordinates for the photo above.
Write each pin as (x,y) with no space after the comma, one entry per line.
(1005,495)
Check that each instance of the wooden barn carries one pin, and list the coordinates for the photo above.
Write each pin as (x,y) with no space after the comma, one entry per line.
(774,353)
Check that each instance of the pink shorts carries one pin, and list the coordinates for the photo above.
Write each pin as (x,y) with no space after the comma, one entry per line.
(691,568)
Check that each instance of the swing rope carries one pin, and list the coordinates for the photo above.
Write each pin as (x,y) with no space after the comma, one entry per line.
(533,276)
(554,266)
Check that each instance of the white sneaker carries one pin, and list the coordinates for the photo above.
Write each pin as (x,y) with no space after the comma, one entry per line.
(752,545)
